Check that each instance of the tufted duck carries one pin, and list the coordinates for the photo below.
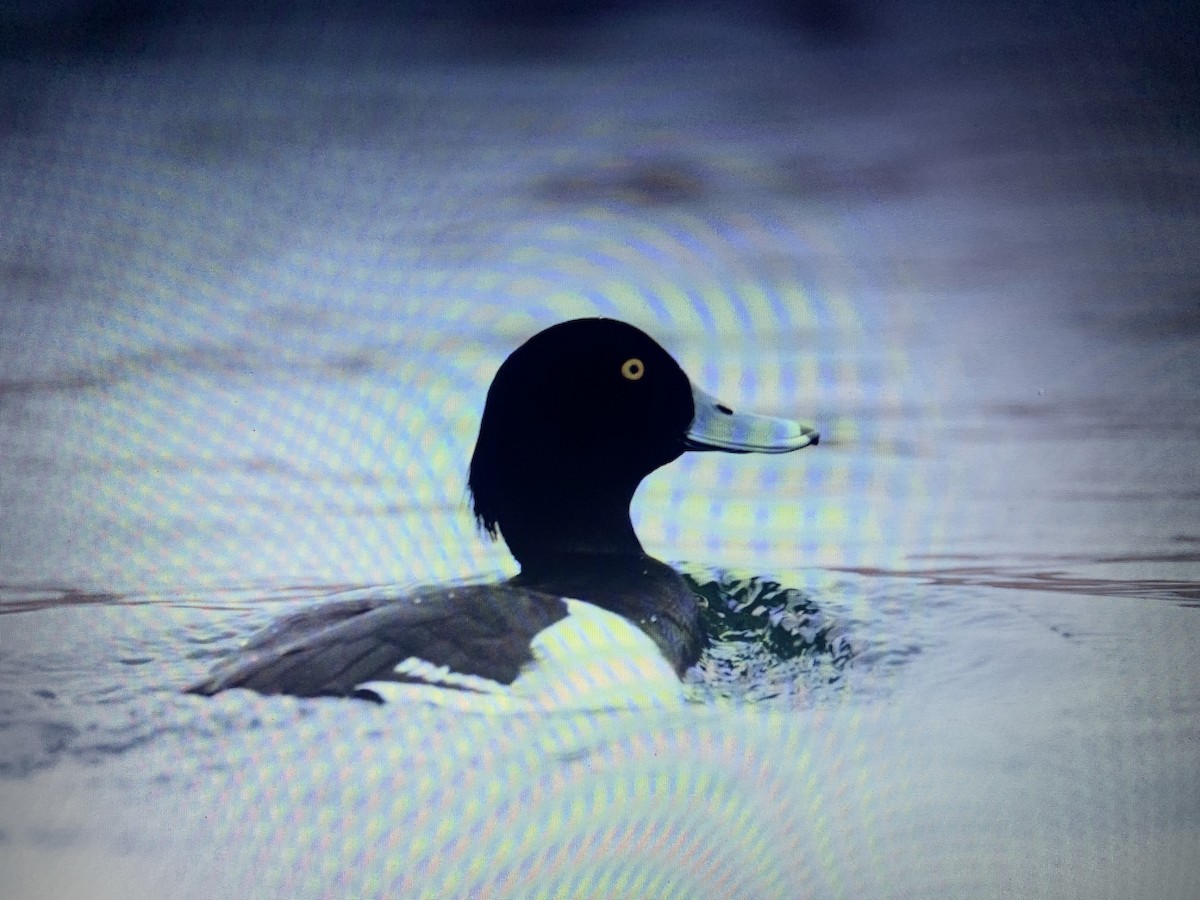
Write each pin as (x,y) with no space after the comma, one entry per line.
(575,419)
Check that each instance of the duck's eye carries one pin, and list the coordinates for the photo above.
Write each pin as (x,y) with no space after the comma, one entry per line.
(633,369)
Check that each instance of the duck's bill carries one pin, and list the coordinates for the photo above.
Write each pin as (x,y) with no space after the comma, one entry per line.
(716,427)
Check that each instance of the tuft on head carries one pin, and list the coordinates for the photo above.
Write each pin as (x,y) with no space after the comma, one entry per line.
(484,520)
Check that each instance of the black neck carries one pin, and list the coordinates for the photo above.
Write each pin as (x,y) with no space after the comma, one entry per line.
(553,525)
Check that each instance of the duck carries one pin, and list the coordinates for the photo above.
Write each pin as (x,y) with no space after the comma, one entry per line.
(574,420)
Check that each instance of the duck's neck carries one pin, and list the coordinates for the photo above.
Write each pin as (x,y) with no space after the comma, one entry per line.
(554,526)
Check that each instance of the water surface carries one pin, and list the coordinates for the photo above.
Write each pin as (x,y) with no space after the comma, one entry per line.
(255,282)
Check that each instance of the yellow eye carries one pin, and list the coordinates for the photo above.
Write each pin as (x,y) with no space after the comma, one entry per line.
(633,369)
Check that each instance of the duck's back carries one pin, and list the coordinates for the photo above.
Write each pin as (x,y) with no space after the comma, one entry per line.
(475,631)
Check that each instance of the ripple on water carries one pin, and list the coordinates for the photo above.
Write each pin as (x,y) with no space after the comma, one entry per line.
(91,681)
(765,641)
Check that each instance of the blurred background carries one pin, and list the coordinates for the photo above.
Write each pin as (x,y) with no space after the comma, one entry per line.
(260,260)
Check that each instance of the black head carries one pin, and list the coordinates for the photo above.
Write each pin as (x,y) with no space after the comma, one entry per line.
(575,418)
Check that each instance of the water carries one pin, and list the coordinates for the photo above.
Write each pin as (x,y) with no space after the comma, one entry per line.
(255,282)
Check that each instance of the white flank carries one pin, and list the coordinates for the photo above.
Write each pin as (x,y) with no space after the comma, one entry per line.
(590,660)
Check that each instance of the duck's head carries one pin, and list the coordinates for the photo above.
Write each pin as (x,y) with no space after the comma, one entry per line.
(575,418)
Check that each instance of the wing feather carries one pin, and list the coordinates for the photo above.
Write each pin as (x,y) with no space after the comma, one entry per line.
(328,651)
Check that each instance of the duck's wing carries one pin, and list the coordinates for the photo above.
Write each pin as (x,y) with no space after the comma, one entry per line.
(482,631)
